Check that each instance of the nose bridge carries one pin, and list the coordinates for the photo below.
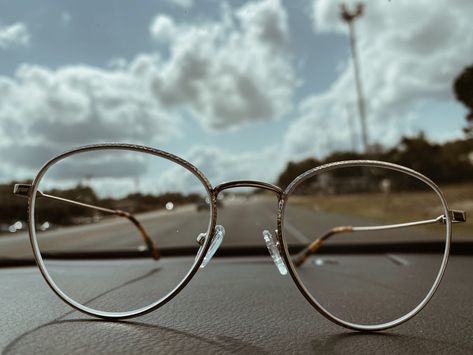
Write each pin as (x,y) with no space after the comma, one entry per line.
(273,246)
(248,183)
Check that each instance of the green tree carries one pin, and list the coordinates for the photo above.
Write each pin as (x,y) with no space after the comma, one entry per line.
(463,89)
(293,170)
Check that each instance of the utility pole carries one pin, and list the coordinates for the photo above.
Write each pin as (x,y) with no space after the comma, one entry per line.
(349,18)
(352,129)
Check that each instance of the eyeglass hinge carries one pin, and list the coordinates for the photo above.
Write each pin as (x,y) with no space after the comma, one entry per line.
(456,216)
(21,189)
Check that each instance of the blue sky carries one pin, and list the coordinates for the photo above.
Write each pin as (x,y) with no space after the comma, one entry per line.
(88,56)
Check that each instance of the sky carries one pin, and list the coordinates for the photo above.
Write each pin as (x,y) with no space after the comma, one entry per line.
(238,88)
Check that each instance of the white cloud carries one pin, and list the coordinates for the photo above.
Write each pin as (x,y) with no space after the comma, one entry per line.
(220,166)
(14,35)
(225,73)
(231,72)
(410,53)
(44,111)
(162,28)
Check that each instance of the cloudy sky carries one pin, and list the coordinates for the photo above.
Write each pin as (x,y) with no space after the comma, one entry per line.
(237,88)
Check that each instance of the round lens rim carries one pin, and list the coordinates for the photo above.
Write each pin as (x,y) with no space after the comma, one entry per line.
(135,148)
(292,270)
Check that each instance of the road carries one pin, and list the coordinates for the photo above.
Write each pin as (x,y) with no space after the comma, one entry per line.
(244,219)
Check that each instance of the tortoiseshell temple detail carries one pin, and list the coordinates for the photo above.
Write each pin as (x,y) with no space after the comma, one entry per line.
(152,248)
(24,190)
(316,244)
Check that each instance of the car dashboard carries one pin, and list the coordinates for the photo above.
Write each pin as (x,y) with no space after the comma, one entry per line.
(234,305)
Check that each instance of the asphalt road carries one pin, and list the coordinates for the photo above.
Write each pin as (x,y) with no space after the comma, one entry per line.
(244,219)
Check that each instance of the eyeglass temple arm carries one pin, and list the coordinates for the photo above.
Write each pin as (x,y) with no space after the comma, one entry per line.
(456,216)
(23,190)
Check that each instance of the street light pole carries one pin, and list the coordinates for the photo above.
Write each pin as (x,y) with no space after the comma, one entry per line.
(349,18)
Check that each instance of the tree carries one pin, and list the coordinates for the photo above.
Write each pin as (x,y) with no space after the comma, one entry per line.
(419,154)
(450,162)
(293,170)
(463,89)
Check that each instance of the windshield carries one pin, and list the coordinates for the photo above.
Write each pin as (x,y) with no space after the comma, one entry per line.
(242,90)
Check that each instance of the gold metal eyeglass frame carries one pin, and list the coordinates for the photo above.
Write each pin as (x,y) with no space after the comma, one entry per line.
(32,193)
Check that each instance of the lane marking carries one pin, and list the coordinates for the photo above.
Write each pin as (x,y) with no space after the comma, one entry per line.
(296,233)
(397,260)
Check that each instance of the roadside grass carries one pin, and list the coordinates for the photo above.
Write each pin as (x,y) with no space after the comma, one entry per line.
(398,207)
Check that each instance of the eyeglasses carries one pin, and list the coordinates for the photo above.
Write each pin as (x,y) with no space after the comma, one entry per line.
(118,230)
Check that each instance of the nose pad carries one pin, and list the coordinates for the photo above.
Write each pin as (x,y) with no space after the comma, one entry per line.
(216,241)
(273,248)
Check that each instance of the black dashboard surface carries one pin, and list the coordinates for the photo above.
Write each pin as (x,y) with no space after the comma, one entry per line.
(235,305)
